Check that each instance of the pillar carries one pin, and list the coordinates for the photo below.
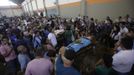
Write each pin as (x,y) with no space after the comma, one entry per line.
(31,6)
(44,3)
(84,8)
(36,5)
(58,7)
(28,8)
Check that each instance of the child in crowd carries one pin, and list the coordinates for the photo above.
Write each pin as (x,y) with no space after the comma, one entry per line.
(23,57)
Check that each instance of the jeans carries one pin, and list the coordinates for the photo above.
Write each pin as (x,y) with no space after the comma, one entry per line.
(11,67)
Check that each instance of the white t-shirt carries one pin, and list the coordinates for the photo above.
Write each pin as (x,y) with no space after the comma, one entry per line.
(116,37)
(124,30)
(25,22)
(123,61)
(52,39)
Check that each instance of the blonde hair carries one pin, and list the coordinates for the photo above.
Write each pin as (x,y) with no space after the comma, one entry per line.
(21,48)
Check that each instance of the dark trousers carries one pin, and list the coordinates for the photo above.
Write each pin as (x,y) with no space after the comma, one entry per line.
(123,73)
(12,67)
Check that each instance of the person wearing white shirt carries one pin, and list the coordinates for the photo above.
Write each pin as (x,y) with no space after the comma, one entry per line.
(124,60)
(123,32)
(52,38)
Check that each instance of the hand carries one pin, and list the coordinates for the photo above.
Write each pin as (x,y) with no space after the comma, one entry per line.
(62,51)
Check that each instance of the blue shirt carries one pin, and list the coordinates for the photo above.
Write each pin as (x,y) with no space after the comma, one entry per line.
(23,60)
(46,32)
(61,70)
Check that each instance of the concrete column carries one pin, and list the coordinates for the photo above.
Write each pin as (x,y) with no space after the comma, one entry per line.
(31,5)
(36,5)
(84,7)
(44,3)
(12,10)
(58,7)
(28,8)
(23,9)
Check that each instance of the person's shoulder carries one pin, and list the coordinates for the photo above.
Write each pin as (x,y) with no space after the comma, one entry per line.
(48,61)
(50,34)
(1,47)
(126,51)
(122,53)
(75,72)
(32,62)
(117,55)
(43,60)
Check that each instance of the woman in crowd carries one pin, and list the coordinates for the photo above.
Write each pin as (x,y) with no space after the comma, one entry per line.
(8,52)
(23,57)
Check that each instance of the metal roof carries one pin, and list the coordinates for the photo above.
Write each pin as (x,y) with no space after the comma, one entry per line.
(18,2)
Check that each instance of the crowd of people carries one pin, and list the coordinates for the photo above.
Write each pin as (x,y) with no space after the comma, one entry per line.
(38,45)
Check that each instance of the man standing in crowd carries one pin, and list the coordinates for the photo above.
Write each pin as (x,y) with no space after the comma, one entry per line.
(52,38)
(40,65)
(64,63)
(123,60)
(7,51)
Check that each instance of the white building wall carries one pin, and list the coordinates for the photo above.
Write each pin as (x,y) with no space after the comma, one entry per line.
(10,12)
(40,4)
(34,5)
(50,3)
(26,8)
(68,1)
(30,8)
